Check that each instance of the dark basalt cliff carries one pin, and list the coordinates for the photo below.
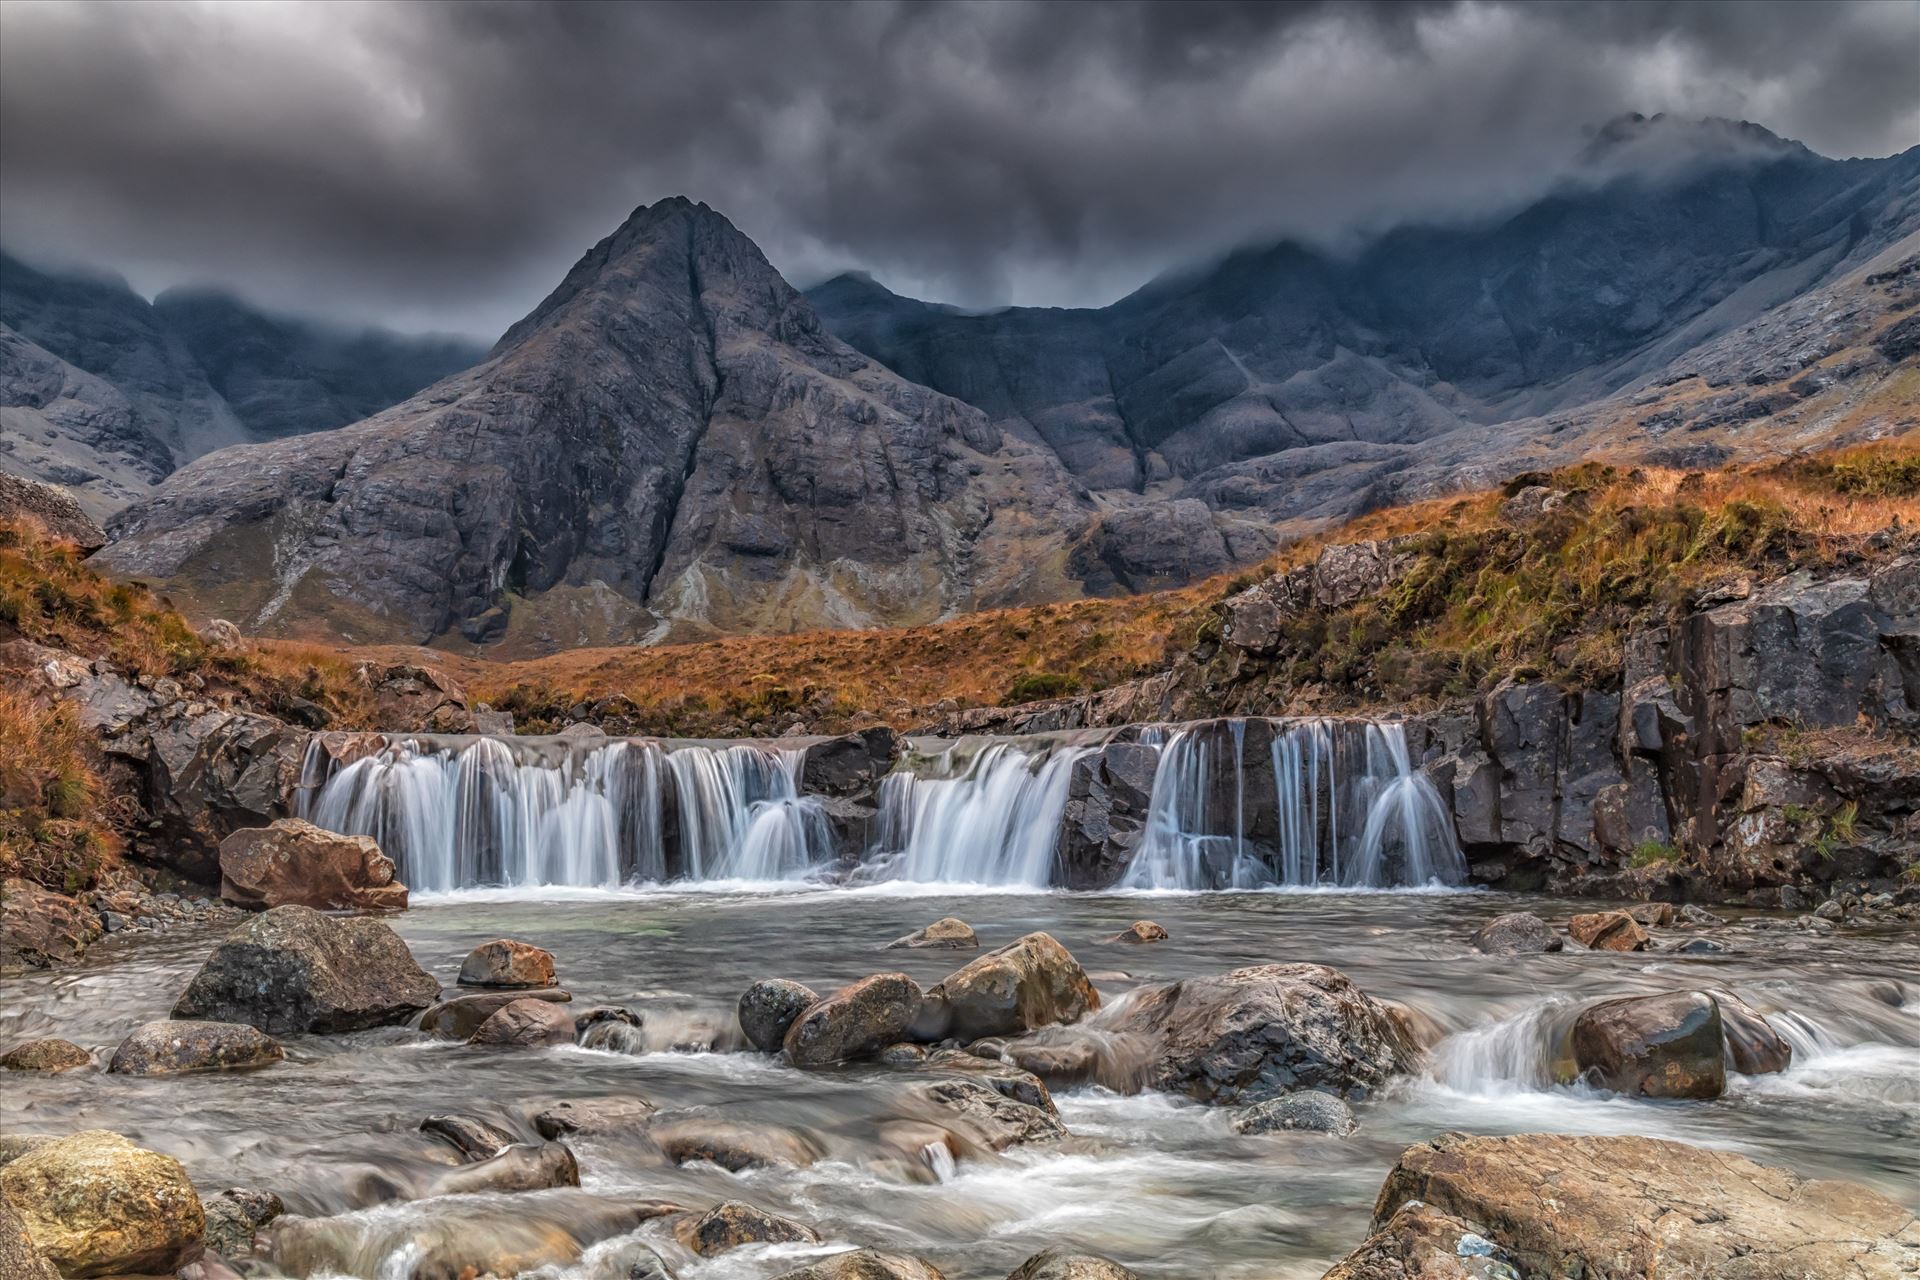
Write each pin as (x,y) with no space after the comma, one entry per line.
(670,436)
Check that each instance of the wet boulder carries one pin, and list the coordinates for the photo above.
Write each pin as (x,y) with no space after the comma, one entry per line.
(769,1007)
(944,934)
(1516,933)
(734,1223)
(459,1017)
(1753,1047)
(520,1167)
(1665,1046)
(1003,1077)
(1419,1242)
(97,1205)
(505,962)
(170,1048)
(1260,1032)
(1140,931)
(471,1136)
(866,1264)
(45,1055)
(292,861)
(1609,931)
(526,1024)
(732,1145)
(1060,1264)
(849,765)
(594,1117)
(987,1117)
(1644,1209)
(856,1021)
(234,1218)
(1034,982)
(292,969)
(1310,1111)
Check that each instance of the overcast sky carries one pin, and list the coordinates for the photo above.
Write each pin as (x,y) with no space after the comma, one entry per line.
(436,165)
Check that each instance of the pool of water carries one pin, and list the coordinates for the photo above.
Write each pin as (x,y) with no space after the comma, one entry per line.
(1159,1183)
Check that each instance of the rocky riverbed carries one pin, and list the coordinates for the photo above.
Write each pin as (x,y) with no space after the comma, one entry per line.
(1252,1095)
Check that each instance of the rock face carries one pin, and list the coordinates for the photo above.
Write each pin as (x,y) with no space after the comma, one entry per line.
(1421,1243)
(293,861)
(293,969)
(507,963)
(1516,933)
(1058,1264)
(769,1007)
(854,1022)
(526,1024)
(1034,982)
(53,507)
(945,934)
(866,1264)
(1670,1046)
(1264,1031)
(45,1055)
(1644,1209)
(96,1205)
(176,1048)
(1106,811)
(670,436)
(735,1222)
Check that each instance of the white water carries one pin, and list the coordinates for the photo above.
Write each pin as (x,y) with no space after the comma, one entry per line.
(993,818)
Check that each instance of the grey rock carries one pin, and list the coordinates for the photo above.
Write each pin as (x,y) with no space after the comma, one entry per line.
(470,1136)
(176,1048)
(235,1216)
(769,1007)
(1310,1110)
(1516,933)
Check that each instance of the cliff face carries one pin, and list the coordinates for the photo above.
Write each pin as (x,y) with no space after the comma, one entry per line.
(671,436)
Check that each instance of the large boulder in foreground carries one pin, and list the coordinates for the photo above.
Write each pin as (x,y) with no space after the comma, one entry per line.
(1664,1046)
(19,1259)
(866,1264)
(1647,1209)
(171,1048)
(292,969)
(1034,982)
(293,861)
(1264,1031)
(96,1205)
(856,1021)
(1419,1242)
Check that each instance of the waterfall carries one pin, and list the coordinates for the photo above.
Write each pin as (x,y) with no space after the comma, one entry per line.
(463,813)
(1350,809)
(993,818)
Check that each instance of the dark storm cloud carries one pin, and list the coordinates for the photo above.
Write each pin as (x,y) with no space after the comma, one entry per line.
(441,165)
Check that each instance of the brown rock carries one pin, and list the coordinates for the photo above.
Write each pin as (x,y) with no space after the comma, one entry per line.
(1609,931)
(866,1264)
(507,963)
(1666,1046)
(295,861)
(461,1016)
(730,1145)
(96,1205)
(1140,931)
(19,1259)
(1058,1264)
(1654,915)
(944,934)
(521,1167)
(734,1223)
(46,1055)
(1034,982)
(1419,1242)
(168,1048)
(39,928)
(594,1117)
(854,1022)
(1647,1209)
(526,1024)
(987,1117)
(1753,1046)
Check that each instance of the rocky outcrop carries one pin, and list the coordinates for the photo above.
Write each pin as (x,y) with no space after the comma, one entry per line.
(94,1204)
(293,970)
(1642,1208)
(506,962)
(769,1007)
(19,1259)
(235,1216)
(856,1021)
(472,1137)
(1034,982)
(987,1117)
(175,1048)
(1106,811)
(292,861)
(54,508)
(1138,933)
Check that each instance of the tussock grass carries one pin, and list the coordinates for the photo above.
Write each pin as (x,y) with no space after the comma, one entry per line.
(53,803)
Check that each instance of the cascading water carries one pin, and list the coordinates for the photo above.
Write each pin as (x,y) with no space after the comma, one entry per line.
(462,813)
(1177,850)
(990,818)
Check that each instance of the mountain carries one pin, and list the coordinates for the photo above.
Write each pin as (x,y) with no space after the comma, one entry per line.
(1414,348)
(107,393)
(670,439)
